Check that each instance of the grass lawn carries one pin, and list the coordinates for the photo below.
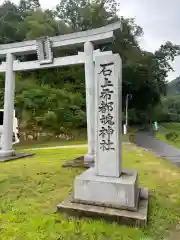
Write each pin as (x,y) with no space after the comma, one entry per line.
(31,188)
(51,143)
(167,128)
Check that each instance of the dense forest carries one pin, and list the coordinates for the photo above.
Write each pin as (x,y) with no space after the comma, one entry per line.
(173,87)
(54,100)
(169,108)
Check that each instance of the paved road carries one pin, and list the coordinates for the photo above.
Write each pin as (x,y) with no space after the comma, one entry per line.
(148,141)
(57,147)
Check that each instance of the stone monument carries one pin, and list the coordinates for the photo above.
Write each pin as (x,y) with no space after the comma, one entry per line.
(106,189)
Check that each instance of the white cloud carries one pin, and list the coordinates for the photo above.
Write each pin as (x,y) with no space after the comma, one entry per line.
(159,19)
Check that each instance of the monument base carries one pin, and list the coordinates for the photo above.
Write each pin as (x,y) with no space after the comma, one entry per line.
(113,192)
(78,162)
(4,153)
(138,218)
(15,156)
(89,158)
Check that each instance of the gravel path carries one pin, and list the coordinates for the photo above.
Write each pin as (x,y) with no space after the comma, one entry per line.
(57,147)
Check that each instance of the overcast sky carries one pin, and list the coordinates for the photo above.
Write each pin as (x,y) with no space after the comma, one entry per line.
(159,19)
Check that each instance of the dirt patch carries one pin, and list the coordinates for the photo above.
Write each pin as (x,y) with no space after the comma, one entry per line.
(175,234)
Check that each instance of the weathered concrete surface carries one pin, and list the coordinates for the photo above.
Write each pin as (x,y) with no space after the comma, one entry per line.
(15,156)
(108,91)
(138,218)
(119,192)
(148,141)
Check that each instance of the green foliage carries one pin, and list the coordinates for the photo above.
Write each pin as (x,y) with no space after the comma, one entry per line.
(172,136)
(173,126)
(86,14)
(57,96)
(10,23)
(26,6)
(39,24)
(168,128)
(174,87)
(169,110)
(43,106)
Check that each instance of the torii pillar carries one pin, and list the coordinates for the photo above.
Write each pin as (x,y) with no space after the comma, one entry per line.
(90,101)
(7,150)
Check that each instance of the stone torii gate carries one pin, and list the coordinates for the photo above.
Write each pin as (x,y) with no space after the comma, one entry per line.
(43,47)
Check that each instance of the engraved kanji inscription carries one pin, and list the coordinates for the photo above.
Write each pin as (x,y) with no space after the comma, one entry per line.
(105,70)
(107,119)
(107,145)
(106,108)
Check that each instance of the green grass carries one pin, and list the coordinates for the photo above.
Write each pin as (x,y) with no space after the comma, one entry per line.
(172,126)
(166,128)
(51,143)
(31,188)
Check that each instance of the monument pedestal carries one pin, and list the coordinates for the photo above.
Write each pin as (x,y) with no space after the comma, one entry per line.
(4,157)
(8,153)
(122,216)
(113,192)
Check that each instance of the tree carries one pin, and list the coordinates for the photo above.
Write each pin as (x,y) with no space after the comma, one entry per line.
(39,24)
(86,14)
(10,23)
(26,6)
(39,103)
(147,78)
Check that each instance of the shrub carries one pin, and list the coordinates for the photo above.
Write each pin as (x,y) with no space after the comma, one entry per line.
(172,136)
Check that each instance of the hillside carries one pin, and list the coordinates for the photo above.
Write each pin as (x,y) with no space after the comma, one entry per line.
(174,87)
